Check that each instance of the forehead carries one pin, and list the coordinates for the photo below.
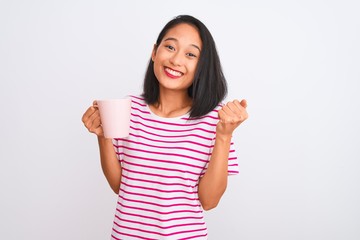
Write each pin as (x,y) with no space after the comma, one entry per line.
(185,33)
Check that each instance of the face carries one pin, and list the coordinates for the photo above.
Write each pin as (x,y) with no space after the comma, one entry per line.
(176,58)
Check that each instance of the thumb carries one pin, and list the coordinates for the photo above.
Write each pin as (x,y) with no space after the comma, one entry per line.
(243,103)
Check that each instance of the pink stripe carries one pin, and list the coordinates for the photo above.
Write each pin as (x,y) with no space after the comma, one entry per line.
(157,219)
(158,135)
(140,98)
(143,105)
(159,161)
(212,111)
(155,146)
(166,154)
(203,117)
(159,175)
(158,212)
(134,108)
(171,130)
(160,168)
(158,190)
(161,183)
(130,235)
(203,235)
(157,226)
(162,234)
(229,172)
(114,236)
(162,141)
(233,165)
(174,124)
(153,196)
(160,205)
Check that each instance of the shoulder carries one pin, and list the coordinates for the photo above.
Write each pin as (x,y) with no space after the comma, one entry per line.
(137,100)
(211,117)
(138,104)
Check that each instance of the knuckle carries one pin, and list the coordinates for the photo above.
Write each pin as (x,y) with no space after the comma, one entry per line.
(87,125)
(83,118)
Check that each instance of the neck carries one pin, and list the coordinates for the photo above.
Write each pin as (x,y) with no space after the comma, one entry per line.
(172,104)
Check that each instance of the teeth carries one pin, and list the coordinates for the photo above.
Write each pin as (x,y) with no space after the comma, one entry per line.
(172,72)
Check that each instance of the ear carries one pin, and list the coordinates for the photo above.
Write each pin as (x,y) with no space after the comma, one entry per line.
(153,54)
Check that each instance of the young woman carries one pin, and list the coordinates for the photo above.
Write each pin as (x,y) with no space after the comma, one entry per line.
(177,158)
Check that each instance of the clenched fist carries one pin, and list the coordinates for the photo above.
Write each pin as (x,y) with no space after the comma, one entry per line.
(231,116)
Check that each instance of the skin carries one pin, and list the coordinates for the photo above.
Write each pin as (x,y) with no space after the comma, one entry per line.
(179,51)
(175,61)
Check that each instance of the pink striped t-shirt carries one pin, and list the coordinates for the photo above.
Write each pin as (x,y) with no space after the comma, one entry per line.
(162,161)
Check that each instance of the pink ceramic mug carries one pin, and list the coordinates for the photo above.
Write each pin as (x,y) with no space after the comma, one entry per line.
(115,117)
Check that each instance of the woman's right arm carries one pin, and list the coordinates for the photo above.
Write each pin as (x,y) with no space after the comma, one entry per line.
(109,162)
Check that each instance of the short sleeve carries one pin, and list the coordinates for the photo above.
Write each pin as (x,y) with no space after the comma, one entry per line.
(233,166)
(117,143)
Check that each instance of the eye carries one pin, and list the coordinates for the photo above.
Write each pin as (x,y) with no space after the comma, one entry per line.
(191,55)
(170,47)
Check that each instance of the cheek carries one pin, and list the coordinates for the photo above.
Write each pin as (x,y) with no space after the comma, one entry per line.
(193,68)
(157,70)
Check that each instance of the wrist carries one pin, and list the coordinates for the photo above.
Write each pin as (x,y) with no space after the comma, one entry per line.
(103,140)
(223,137)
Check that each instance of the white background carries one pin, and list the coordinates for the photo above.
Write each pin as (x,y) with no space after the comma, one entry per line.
(296,62)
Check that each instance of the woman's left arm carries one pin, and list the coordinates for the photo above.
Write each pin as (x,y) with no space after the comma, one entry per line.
(213,184)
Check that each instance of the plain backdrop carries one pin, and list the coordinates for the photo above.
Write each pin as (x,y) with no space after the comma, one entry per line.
(296,62)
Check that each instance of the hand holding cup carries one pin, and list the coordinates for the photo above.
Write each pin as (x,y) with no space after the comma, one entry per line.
(92,120)
(109,118)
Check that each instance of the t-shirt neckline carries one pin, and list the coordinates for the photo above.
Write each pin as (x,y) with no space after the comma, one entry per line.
(178,118)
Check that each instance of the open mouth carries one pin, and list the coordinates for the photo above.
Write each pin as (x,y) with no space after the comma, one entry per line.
(173,73)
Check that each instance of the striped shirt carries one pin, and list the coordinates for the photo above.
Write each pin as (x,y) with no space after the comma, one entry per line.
(162,161)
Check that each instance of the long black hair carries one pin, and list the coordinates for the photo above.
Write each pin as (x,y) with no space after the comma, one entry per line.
(209,87)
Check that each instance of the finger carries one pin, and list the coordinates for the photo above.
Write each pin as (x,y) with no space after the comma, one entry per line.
(243,103)
(235,112)
(229,109)
(87,114)
(95,104)
(97,121)
(241,106)
(96,124)
(89,124)
(235,108)
(95,115)
(238,104)
(239,109)
(227,118)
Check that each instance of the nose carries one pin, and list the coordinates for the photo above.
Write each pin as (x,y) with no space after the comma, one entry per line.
(176,59)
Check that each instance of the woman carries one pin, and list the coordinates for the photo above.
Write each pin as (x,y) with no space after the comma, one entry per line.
(179,153)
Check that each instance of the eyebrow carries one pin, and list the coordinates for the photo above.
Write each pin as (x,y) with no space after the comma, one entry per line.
(174,39)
